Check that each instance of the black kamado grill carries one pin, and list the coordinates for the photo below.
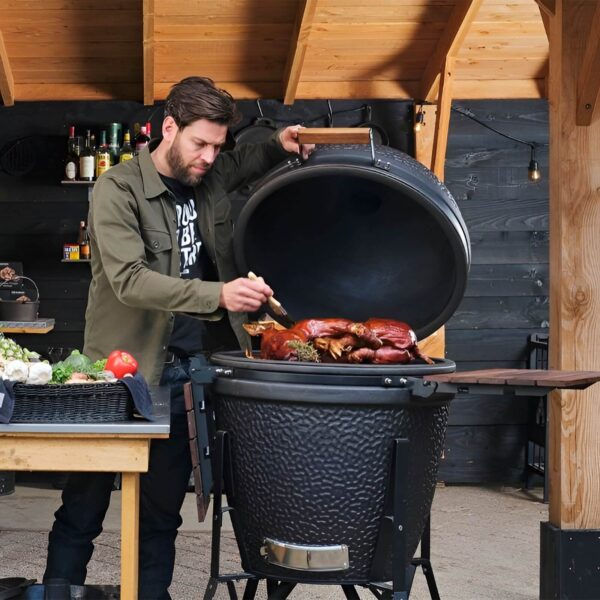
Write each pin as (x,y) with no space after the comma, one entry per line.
(330,470)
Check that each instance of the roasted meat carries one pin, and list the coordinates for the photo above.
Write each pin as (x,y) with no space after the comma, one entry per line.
(377,341)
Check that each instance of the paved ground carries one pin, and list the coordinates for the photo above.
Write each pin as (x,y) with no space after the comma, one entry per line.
(485,545)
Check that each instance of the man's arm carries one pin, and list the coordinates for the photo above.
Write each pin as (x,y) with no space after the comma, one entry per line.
(116,232)
(246,162)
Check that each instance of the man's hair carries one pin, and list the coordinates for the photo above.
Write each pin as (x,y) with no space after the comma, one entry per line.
(196,98)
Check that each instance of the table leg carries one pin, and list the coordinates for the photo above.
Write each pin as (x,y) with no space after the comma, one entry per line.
(130,503)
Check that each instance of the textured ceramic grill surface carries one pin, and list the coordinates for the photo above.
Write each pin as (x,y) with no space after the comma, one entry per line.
(318,474)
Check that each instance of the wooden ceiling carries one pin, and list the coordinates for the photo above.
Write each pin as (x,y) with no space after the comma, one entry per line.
(288,49)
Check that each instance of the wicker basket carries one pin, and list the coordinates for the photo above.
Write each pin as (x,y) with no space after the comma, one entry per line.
(74,403)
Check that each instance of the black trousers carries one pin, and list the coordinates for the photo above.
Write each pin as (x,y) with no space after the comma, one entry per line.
(86,497)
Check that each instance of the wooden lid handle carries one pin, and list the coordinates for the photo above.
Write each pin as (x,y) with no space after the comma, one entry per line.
(335,135)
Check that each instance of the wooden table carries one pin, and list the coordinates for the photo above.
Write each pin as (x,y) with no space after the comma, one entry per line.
(105,447)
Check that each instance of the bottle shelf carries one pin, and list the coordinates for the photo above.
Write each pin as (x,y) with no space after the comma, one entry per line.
(78,260)
(69,182)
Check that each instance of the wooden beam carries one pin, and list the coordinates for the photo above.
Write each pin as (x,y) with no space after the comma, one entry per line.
(458,25)
(7,82)
(574,443)
(547,6)
(442,125)
(546,21)
(588,82)
(295,62)
(434,345)
(148,34)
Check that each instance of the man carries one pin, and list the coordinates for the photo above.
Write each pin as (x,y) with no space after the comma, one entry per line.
(162,275)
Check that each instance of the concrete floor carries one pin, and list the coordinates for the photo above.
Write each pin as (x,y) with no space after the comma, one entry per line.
(484,545)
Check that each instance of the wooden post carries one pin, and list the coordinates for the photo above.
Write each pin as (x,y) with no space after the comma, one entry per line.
(130,501)
(148,70)
(574,444)
(7,82)
(435,344)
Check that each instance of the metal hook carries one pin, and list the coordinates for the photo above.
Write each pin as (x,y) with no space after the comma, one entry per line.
(260,112)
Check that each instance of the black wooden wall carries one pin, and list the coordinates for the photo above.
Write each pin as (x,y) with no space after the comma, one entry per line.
(507,293)
(507,218)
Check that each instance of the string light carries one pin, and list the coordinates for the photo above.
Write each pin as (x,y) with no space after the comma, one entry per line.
(419,119)
(533,170)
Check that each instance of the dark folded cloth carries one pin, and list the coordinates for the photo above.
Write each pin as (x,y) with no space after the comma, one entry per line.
(140,393)
(7,400)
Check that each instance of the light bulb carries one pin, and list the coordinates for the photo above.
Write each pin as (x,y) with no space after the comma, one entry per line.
(533,169)
(419,120)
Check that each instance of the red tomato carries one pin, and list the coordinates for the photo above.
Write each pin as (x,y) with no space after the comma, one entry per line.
(121,363)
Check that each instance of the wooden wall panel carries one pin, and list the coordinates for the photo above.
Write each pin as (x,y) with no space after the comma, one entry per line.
(229,11)
(353,50)
(507,293)
(80,49)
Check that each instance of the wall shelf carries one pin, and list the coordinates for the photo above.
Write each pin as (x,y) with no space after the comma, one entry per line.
(79,260)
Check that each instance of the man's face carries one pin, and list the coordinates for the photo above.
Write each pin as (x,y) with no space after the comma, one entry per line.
(194,149)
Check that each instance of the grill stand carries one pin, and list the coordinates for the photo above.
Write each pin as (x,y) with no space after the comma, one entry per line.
(392,527)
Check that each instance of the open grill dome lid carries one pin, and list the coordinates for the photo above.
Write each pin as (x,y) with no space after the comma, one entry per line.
(353,234)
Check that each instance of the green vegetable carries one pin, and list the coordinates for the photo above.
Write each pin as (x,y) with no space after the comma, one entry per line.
(79,362)
(61,372)
(99,365)
(10,350)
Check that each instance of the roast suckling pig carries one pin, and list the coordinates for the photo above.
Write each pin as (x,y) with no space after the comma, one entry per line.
(377,341)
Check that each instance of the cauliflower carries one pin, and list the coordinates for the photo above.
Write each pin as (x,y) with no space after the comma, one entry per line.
(16,370)
(40,373)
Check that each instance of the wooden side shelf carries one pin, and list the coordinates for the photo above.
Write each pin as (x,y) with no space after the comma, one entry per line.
(522,377)
(37,326)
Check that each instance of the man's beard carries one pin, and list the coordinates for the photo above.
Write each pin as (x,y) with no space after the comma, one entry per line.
(179,169)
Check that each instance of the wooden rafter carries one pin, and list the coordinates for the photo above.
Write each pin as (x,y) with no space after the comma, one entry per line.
(588,81)
(148,56)
(546,21)
(547,6)
(298,46)
(7,83)
(452,38)
(442,124)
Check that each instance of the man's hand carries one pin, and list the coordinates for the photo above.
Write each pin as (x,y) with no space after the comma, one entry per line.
(244,295)
(289,140)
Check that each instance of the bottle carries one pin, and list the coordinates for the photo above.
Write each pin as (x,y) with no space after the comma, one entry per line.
(102,156)
(86,160)
(93,145)
(72,159)
(149,129)
(142,140)
(84,245)
(82,231)
(114,133)
(126,152)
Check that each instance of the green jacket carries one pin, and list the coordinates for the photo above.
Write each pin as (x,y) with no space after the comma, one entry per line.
(136,286)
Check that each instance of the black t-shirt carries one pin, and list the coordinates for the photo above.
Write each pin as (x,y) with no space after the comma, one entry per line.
(189,334)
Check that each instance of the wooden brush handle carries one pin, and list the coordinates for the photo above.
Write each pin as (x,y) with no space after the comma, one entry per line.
(273,303)
(335,135)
